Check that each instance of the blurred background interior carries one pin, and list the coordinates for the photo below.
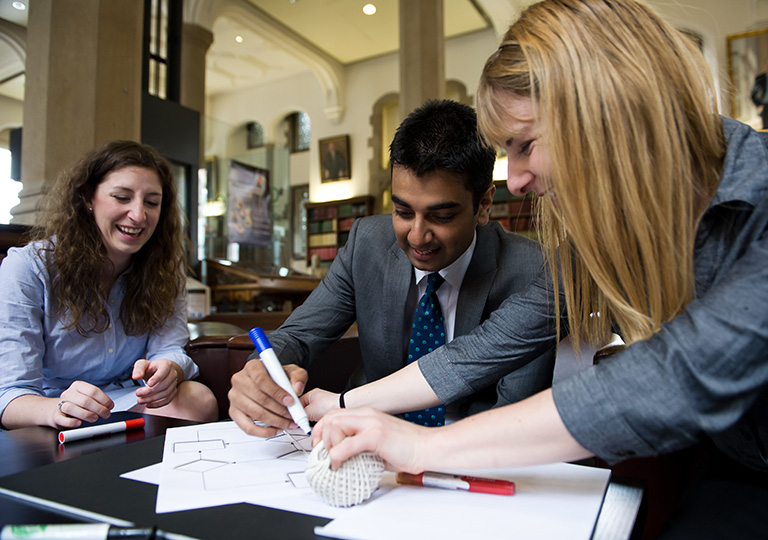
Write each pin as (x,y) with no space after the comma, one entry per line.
(247,98)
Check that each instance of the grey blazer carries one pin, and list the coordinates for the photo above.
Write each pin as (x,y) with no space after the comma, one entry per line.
(368,282)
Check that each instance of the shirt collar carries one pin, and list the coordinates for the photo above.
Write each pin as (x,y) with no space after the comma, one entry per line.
(745,166)
(454,272)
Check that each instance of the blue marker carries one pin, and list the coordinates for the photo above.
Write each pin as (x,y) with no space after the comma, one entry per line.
(276,371)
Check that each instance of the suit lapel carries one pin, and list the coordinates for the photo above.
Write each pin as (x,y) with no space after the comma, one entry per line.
(477,282)
(397,281)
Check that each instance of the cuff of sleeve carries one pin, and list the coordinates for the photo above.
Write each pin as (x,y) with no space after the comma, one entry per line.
(13,393)
(445,382)
(186,364)
(593,418)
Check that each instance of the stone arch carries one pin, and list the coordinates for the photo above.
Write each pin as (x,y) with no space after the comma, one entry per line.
(457,91)
(379,176)
(15,37)
(329,72)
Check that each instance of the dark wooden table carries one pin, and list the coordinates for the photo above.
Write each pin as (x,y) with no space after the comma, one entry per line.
(30,448)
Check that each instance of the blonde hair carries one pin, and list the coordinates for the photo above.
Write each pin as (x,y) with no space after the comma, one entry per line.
(628,109)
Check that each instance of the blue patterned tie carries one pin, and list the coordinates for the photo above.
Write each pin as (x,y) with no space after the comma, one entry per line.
(427,334)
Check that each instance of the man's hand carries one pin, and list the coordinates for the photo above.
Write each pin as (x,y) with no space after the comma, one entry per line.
(254,396)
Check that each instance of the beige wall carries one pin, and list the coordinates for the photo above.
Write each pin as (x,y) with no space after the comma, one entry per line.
(369,80)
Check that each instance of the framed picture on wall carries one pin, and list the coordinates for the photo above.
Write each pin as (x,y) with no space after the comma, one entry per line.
(334,159)
(747,67)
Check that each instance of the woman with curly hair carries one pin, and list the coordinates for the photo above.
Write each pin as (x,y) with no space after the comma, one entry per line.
(656,209)
(96,300)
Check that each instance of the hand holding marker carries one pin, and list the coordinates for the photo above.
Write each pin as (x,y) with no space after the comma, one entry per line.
(276,371)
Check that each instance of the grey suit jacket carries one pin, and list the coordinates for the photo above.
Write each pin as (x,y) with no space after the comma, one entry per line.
(368,282)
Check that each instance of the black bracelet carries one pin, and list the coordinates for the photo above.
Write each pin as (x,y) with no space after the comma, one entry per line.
(341,400)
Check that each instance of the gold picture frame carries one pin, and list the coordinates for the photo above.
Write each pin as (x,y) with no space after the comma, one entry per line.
(334,159)
(747,58)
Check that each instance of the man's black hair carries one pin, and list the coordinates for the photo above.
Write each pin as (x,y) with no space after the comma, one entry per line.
(442,135)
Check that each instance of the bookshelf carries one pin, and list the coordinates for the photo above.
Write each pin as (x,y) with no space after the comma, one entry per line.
(516,214)
(328,225)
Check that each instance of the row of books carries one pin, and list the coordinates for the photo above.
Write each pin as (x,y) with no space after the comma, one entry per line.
(321,212)
(354,210)
(518,224)
(330,225)
(512,208)
(327,225)
(325,253)
(324,239)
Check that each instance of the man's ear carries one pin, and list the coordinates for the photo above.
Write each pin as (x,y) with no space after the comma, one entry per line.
(484,208)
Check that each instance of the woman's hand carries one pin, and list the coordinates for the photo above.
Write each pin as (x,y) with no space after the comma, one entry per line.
(162,378)
(81,402)
(348,432)
(318,402)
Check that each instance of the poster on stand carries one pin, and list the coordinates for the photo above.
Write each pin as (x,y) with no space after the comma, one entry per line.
(248,205)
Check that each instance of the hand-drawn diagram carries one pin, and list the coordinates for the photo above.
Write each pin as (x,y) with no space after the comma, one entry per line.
(228,458)
(211,464)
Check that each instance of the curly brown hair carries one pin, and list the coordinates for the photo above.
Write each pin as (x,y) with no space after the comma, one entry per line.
(76,256)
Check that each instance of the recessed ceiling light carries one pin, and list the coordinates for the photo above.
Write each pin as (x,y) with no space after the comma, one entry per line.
(239,39)
(21,6)
(369,9)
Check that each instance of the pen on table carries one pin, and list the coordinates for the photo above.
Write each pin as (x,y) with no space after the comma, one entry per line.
(77,531)
(459,482)
(276,371)
(101,429)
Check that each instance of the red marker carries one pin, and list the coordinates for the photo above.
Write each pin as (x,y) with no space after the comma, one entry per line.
(452,481)
(102,429)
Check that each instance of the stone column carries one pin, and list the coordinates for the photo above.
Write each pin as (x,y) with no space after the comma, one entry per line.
(422,53)
(83,87)
(195,41)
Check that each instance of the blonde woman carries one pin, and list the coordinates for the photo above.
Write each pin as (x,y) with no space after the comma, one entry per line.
(95,301)
(656,208)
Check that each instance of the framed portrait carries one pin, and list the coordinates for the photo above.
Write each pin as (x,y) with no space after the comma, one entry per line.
(334,159)
(747,66)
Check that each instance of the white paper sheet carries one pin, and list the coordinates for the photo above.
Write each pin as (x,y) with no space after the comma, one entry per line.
(148,475)
(215,464)
(123,398)
(551,502)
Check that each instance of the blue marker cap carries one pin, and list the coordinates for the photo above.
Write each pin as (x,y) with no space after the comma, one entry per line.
(259,339)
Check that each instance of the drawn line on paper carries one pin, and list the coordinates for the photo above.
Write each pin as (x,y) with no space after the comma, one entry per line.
(225,459)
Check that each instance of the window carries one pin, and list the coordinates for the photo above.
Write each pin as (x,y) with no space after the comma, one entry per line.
(9,189)
(300,131)
(162,39)
(255,135)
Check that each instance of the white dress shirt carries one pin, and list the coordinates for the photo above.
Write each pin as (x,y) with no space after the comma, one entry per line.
(447,294)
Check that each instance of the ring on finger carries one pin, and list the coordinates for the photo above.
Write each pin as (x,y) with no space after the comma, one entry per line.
(62,402)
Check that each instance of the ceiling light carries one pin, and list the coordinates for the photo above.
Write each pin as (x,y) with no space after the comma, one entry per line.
(21,6)
(239,39)
(369,9)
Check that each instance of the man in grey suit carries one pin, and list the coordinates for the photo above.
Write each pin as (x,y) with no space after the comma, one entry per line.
(442,190)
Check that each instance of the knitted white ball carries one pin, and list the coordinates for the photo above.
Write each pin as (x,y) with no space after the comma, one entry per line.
(350,484)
